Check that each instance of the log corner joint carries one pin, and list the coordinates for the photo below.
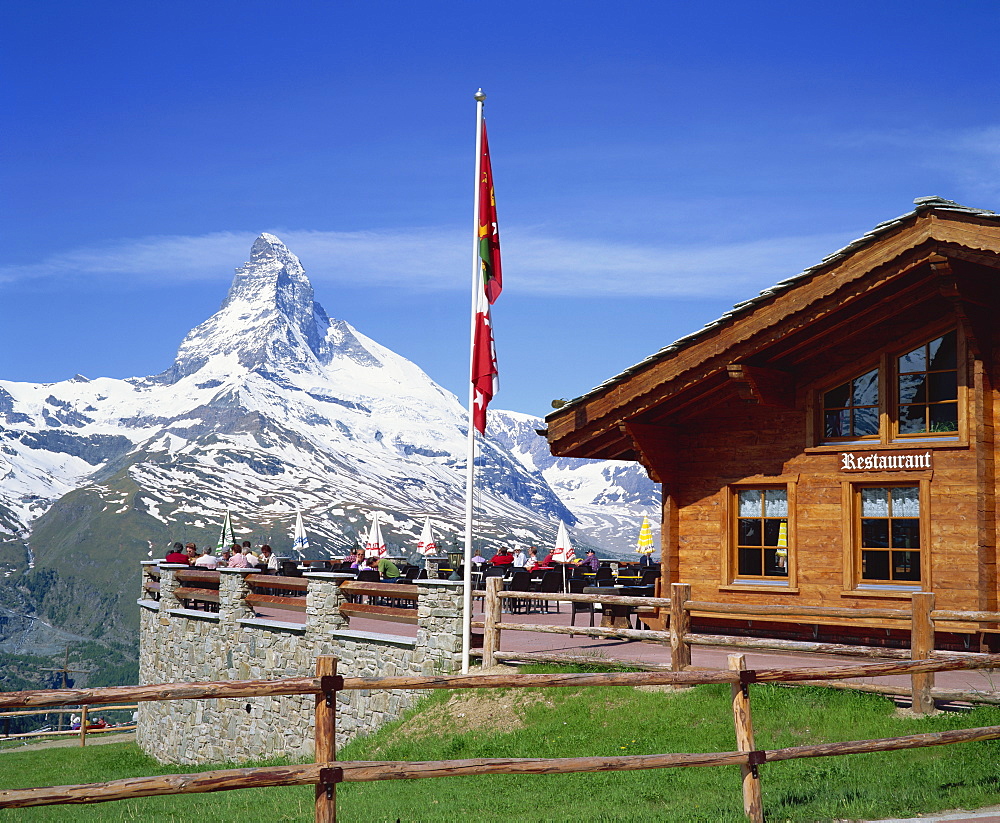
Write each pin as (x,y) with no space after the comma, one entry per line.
(329,778)
(763,385)
(329,684)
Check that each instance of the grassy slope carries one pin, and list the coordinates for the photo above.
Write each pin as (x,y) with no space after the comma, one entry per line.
(559,723)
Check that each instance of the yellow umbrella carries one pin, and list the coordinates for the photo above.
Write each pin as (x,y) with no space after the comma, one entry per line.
(645,543)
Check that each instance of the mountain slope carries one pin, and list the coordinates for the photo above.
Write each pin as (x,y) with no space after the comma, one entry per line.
(270,406)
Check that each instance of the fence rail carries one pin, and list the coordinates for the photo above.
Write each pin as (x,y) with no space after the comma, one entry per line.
(675,613)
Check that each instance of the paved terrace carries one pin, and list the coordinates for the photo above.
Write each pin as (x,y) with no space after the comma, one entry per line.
(635,651)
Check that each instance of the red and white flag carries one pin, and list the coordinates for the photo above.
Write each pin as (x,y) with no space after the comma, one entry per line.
(485,376)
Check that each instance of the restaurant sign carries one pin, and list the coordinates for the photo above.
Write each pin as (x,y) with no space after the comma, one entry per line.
(891,462)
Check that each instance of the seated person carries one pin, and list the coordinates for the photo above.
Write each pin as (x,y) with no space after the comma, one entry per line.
(268,560)
(590,563)
(387,570)
(191,550)
(238,560)
(532,560)
(501,558)
(177,555)
(252,559)
(548,562)
(477,558)
(206,560)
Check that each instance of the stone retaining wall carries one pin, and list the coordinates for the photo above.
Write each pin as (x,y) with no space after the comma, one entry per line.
(179,645)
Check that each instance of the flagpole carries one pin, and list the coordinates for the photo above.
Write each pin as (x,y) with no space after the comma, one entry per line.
(470,458)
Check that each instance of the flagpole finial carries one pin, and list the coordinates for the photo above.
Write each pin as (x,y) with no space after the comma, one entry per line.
(480,96)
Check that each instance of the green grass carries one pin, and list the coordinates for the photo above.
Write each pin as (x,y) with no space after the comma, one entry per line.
(580,722)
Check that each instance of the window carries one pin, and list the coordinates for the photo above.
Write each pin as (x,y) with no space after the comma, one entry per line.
(888,534)
(852,409)
(927,399)
(762,534)
(924,403)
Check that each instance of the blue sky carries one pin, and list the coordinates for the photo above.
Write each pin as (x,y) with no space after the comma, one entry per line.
(655,163)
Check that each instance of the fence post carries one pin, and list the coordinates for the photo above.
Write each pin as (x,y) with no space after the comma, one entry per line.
(921,646)
(680,625)
(83,725)
(326,740)
(491,616)
(753,803)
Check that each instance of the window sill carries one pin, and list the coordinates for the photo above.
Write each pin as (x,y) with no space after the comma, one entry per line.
(759,588)
(884,594)
(856,445)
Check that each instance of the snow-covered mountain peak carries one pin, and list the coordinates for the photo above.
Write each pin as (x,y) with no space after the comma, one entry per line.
(268,320)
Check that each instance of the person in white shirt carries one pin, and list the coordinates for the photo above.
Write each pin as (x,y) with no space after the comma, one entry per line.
(520,558)
(268,559)
(207,560)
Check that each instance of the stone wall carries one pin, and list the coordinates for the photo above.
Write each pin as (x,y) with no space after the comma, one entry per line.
(178,644)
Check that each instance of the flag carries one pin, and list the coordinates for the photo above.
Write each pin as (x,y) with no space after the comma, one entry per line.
(426,545)
(299,540)
(485,376)
(645,542)
(228,536)
(489,233)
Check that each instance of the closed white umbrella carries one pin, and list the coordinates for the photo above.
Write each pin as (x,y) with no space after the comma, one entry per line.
(426,544)
(374,544)
(228,536)
(564,549)
(299,540)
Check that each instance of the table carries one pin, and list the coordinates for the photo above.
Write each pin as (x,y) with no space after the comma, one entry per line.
(613,615)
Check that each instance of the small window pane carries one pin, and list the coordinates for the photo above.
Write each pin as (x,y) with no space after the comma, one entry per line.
(750,562)
(916,360)
(944,352)
(944,417)
(943,386)
(837,398)
(749,533)
(865,389)
(912,388)
(906,502)
(874,502)
(775,503)
(775,565)
(875,534)
(875,565)
(772,528)
(906,565)
(912,420)
(906,534)
(750,505)
(838,423)
(865,421)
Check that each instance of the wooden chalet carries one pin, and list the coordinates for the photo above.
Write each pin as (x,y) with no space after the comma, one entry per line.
(829,442)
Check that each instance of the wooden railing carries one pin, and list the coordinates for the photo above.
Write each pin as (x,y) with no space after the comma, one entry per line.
(327,772)
(386,601)
(82,732)
(199,589)
(286,593)
(921,618)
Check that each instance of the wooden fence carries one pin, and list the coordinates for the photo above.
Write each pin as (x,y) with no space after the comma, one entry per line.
(327,771)
(675,613)
(82,732)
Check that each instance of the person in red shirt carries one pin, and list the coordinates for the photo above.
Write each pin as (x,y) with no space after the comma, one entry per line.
(177,556)
(501,558)
(548,562)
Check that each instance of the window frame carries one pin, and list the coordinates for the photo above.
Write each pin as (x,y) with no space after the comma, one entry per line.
(730,580)
(854,583)
(888,388)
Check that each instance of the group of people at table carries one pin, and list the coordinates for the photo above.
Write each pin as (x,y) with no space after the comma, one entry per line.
(236,557)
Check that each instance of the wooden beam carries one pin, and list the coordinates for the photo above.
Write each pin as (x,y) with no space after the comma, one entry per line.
(763,385)
(971,301)
(655,446)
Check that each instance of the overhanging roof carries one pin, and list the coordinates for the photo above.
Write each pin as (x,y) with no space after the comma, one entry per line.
(591,425)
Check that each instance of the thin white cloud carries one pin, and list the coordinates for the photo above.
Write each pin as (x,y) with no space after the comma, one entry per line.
(440,259)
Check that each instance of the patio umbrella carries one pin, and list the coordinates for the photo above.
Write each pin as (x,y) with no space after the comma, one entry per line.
(228,536)
(645,543)
(374,544)
(426,544)
(299,540)
(564,549)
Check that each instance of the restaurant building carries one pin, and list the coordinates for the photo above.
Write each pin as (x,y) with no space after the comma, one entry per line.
(829,442)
